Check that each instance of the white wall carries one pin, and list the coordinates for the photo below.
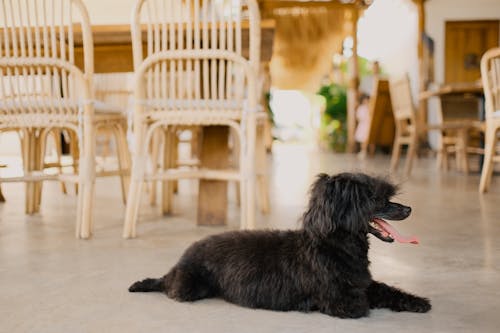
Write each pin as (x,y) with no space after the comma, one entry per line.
(387,32)
(110,11)
(439,11)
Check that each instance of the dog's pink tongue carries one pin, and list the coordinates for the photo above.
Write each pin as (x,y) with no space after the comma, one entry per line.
(395,234)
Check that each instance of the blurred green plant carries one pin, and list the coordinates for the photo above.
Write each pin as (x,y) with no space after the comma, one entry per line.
(365,67)
(333,127)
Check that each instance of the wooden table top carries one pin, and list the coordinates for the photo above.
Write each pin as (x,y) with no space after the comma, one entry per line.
(119,34)
(454,88)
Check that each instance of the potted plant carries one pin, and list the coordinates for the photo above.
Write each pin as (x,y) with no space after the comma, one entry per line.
(333,128)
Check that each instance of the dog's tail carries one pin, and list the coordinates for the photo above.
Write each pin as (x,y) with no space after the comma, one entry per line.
(148,285)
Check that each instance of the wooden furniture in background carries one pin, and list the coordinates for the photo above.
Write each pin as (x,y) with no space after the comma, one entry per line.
(456,121)
(408,128)
(113,45)
(113,53)
(381,129)
(406,123)
(465,43)
(490,73)
(42,89)
(194,73)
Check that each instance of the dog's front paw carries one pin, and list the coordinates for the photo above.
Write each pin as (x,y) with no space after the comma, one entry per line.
(417,304)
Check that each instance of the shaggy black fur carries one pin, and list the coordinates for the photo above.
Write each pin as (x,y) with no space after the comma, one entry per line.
(321,267)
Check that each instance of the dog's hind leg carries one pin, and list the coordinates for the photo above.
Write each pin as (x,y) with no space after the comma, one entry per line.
(381,295)
(189,283)
(148,285)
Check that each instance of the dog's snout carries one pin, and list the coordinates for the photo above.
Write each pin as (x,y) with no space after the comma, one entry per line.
(395,211)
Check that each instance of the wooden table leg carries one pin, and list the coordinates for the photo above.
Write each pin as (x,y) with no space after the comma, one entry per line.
(27,150)
(39,153)
(212,195)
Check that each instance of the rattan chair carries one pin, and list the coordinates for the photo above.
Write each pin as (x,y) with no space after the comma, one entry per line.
(42,89)
(194,73)
(490,75)
(406,122)
(453,133)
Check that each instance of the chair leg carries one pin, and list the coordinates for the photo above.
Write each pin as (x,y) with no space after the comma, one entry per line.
(489,152)
(396,153)
(169,158)
(87,180)
(263,193)
(28,145)
(32,144)
(75,154)
(136,182)
(79,209)
(446,160)
(56,135)
(412,153)
(439,159)
(462,142)
(174,156)
(242,186)
(155,153)
(134,197)
(85,198)
(250,172)
(441,153)
(445,166)
(41,143)
(86,194)
(236,152)
(261,166)
(123,159)
(250,199)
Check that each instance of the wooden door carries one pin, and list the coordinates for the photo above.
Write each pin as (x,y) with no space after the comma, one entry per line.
(465,43)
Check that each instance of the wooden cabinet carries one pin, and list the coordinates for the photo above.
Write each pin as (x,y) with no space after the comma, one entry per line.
(466,42)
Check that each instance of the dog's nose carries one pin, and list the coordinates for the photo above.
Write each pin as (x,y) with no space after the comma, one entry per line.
(407,210)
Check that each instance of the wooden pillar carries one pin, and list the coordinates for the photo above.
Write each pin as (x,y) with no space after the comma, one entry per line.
(422,84)
(352,89)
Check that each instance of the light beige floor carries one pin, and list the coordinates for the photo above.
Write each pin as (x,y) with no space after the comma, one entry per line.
(51,282)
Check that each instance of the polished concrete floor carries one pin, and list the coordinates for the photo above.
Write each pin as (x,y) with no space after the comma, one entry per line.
(51,282)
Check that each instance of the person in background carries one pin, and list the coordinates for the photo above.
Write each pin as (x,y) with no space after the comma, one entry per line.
(363,120)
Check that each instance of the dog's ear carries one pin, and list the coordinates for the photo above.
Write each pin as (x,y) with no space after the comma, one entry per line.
(318,218)
(338,202)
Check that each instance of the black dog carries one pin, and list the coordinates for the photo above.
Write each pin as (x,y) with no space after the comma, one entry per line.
(322,267)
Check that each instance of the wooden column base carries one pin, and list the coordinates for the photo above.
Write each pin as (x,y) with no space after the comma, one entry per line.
(212,196)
